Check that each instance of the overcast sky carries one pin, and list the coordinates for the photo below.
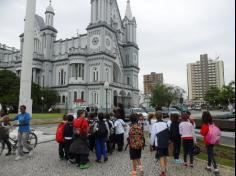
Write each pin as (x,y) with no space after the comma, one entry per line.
(171,33)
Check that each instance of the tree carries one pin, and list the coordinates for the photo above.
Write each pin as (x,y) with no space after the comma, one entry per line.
(165,95)
(223,96)
(10,88)
(213,96)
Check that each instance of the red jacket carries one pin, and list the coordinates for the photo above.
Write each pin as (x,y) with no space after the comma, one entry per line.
(83,125)
(204,132)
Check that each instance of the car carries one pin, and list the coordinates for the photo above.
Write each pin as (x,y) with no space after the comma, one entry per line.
(226,116)
(150,110)
(173,111)
(139,111)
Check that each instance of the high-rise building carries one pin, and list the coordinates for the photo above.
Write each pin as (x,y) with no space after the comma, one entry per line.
(203,75)
(152,80)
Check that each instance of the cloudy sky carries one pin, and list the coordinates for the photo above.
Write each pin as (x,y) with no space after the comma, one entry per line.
(171,33)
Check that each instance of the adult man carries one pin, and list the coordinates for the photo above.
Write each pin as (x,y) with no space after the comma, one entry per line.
(23,132)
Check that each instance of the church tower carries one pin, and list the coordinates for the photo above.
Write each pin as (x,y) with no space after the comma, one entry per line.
(48,35)
(131,50)
(101,11)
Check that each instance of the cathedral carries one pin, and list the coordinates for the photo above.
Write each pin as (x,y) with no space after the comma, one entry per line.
(78,68)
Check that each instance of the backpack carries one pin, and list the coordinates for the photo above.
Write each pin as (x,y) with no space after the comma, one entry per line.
(163,138)
(136,139)
(59,133)
(214,135)
(101,129)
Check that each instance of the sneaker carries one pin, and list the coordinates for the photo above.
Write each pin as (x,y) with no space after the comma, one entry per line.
(133,173)
(18,158)
(192,165)
(106,159)
(72,161)
(216,171)
(31,153)
(186,164)
(84,166)
(208,168)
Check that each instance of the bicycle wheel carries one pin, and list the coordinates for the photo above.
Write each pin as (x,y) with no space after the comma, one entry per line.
(2,147)
(33,140)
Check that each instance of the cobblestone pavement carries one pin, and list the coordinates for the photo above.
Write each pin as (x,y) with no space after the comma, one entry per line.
(45,162)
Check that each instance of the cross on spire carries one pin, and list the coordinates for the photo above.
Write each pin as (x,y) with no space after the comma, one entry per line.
(50,2)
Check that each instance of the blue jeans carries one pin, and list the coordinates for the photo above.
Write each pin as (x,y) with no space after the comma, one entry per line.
(101,149)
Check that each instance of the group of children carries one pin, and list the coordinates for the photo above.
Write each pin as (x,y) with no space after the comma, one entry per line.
(180,132)
(77,137)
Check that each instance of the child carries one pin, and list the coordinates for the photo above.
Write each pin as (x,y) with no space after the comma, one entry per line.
(101,131)
(207,121)
(68,136)
(136,144)
(160,138)
(80,147)
(60,138)
(187,133)
(151,120)
(175,137)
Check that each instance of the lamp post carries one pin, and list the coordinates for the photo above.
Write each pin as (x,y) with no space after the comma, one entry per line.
(42,98)
(106,86)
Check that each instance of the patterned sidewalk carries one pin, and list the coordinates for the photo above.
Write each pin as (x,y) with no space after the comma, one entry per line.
(45,163)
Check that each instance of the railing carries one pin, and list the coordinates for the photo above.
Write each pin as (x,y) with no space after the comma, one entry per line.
(5,47)
(77,51)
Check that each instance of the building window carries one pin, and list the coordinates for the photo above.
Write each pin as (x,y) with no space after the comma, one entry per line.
(95,74)
(75,96)
(128,81)
(107,74)
(78,71)
(127,60)
(82,95)
(63,99)
(94,98)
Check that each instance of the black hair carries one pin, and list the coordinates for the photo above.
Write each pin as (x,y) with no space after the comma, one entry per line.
(207,117)
(107,116)
(70,118)
(80,112)
(23,106)
(174,117)
(64,117)
(100,116)
(134,118)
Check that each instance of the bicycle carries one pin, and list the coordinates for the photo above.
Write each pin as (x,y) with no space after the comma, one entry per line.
(32,140)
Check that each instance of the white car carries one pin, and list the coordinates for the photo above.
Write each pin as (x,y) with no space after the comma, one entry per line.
(139,111)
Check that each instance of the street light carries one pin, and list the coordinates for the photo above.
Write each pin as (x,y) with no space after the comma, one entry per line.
(106,86)
(42,98)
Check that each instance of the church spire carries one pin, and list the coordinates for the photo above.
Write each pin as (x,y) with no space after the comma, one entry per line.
(128,12)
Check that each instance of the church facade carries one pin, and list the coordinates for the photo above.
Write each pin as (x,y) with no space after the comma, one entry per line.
(77,68)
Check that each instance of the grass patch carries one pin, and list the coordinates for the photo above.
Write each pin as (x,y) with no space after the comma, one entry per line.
(42,116)
(224,155)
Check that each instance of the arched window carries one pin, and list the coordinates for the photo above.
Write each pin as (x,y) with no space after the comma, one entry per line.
(63,99)
(62,77)
(75,96)
(95,74)
(94,98)
(82,95)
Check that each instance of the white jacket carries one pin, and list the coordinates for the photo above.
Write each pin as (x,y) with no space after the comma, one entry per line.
(157,128)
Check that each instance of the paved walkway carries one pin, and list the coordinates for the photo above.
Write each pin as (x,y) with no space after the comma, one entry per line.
(45,163)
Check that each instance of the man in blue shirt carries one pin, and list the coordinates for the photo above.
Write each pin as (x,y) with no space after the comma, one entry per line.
(23,132)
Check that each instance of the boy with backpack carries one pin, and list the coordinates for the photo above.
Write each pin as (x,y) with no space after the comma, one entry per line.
(136,144)
(68,136)
(160,139)
(60,138)
(101,131)
(211,134)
